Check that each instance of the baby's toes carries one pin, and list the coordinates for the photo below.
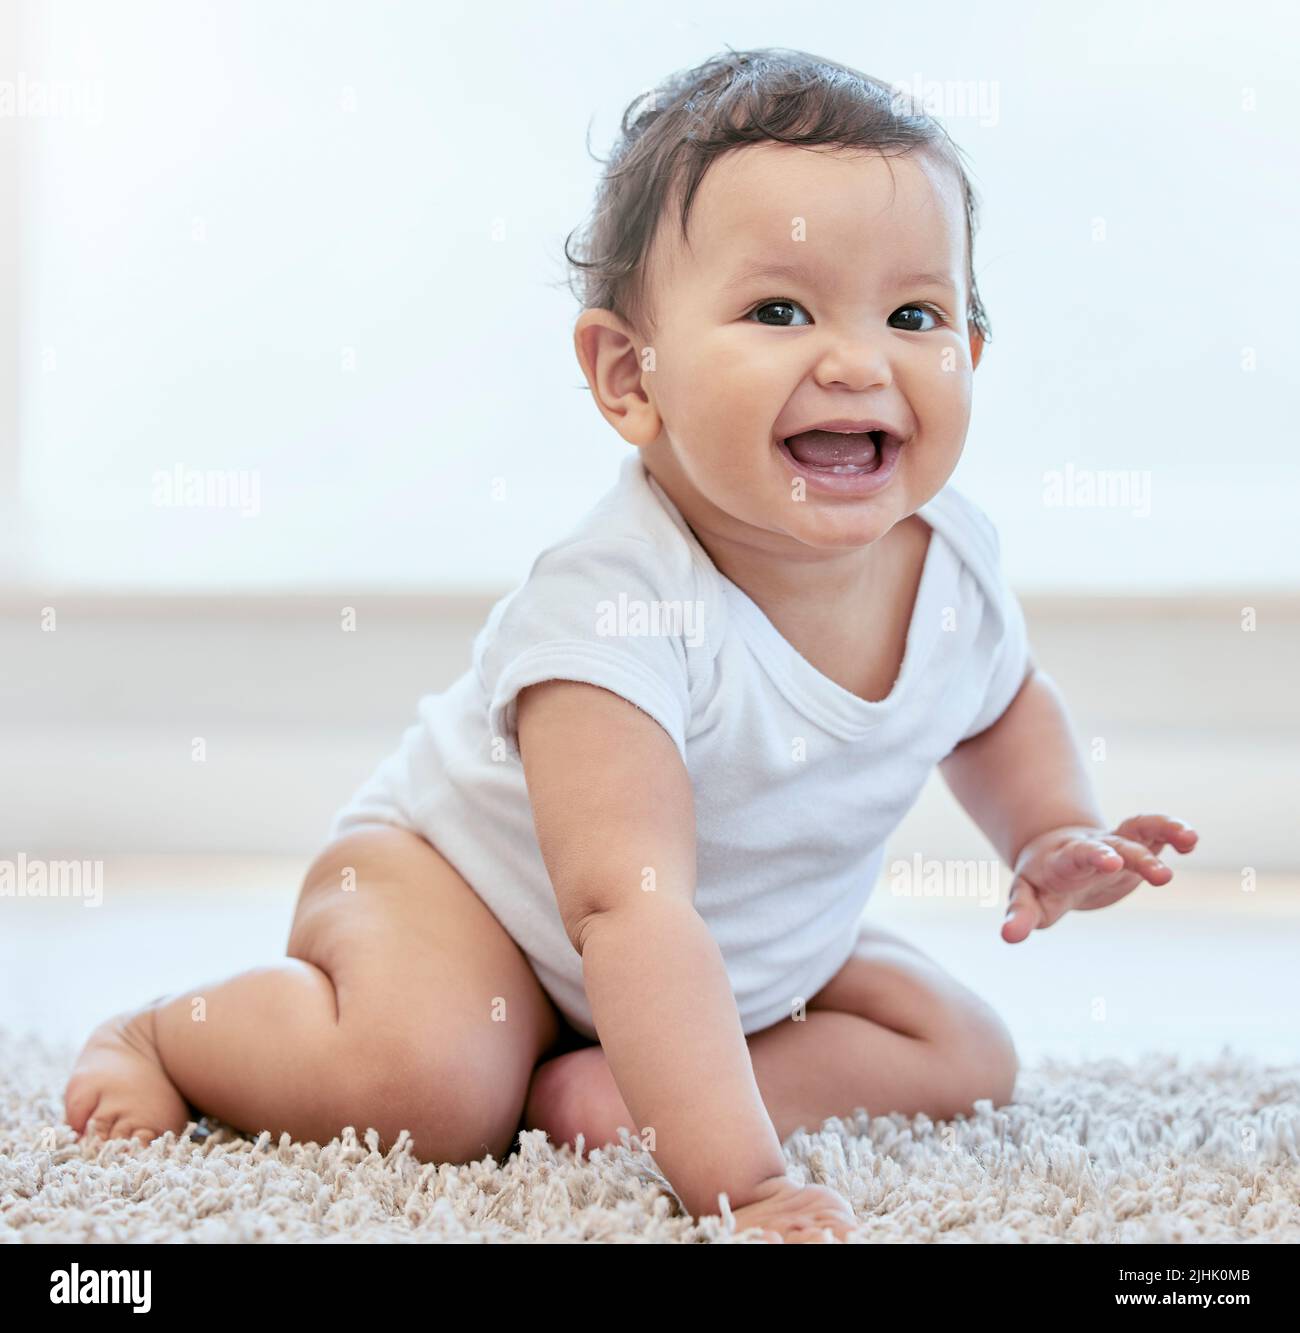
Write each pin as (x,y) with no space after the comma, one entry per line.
(100,1126)
(111,1120)
(80,1099)
(118,1129)
(121,1126)
(132,1129)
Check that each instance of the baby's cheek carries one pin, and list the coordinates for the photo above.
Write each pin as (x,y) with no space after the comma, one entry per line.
(943,426)
(724,416)
(943,407)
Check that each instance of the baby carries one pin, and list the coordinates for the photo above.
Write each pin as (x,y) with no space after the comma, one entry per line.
(613,876)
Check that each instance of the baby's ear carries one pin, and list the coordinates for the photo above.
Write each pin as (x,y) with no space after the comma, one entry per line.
(609,352)
(976,347)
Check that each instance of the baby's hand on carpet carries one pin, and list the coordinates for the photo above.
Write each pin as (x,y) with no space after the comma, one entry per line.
(1080,869)
(794,1214)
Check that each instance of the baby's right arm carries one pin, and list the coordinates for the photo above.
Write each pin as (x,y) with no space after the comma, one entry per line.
(615,820)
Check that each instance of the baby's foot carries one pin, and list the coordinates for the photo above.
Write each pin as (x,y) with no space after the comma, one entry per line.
(574,1094)
(118,1088)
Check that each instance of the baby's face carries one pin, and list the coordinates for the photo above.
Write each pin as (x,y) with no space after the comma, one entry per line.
(866,325)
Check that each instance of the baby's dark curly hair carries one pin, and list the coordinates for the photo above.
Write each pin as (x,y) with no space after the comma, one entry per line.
(671,134)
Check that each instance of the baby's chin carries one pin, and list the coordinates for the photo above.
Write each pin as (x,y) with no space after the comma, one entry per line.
(840,511)
(814,523)
(843,527)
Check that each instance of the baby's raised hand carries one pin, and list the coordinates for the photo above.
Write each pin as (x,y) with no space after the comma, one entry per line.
(1079,869)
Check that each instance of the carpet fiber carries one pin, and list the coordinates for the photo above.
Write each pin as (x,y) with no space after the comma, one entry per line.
(1162,1151)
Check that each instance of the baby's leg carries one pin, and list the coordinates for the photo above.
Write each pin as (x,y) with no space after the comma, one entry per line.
(403,1004)
(891,1031)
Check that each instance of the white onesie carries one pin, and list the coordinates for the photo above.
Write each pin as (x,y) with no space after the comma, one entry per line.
(797,781)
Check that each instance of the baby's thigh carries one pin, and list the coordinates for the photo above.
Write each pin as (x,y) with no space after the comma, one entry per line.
(426,978)
(894,983)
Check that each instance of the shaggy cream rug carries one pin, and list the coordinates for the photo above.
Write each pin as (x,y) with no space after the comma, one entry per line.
(1163,1151)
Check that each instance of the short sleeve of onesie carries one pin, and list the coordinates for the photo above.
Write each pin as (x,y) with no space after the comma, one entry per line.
(602,610)
(1010,659)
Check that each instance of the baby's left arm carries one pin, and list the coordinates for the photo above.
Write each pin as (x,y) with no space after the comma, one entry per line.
(1023,782)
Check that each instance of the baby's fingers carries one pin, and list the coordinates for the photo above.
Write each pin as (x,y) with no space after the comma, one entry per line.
(812,1236)
(1024,912)
(1154,831)
(1140,860)
(819,1230)
(1081,858)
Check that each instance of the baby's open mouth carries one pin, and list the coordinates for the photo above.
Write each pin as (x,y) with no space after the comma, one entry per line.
(842,453)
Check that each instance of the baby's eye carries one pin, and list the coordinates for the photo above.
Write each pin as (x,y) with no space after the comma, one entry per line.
(781,305)
(912,313)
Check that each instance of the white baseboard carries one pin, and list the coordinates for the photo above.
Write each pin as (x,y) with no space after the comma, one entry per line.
(98,716)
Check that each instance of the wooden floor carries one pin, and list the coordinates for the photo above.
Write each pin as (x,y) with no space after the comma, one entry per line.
(1188,968)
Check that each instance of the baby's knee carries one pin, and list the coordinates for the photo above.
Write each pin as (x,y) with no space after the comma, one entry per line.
(456,1104)
(983,1056)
